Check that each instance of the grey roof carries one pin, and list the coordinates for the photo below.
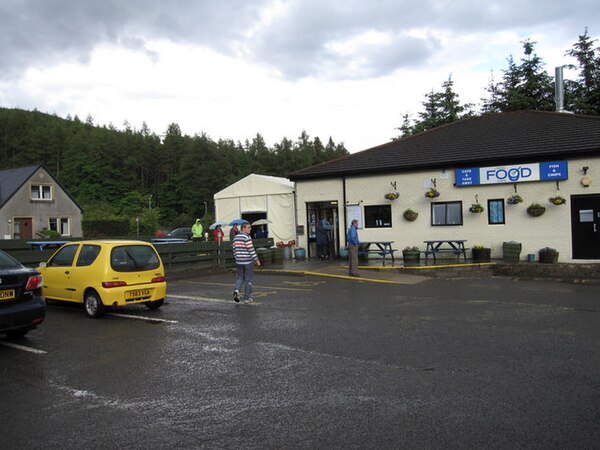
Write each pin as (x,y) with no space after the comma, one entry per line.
(11,181)
(515,137)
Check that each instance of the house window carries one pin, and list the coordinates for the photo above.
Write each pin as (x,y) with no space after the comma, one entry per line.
(41,192)
(496,211)
(446,213)
(379,216)
(60,224)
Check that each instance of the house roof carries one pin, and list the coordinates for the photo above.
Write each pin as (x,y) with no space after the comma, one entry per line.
(11,180)
(255,184)
(514,137)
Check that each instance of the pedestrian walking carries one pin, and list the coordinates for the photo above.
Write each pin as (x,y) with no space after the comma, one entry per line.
(245,258)
(352,241)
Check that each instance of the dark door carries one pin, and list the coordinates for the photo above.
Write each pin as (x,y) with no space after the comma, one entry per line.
(23,228)
(585,226)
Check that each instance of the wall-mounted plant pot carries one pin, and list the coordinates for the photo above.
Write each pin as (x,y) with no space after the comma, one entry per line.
(411,216)
(536,212)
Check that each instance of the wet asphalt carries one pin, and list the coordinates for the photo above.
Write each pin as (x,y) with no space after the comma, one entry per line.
(317,362)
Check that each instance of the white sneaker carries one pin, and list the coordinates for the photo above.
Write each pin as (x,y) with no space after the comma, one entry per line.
(249,301)
(236,296)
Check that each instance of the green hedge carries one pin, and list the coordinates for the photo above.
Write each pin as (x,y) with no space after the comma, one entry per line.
(105,228)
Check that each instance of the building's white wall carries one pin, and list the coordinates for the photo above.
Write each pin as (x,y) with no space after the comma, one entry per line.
(553,229)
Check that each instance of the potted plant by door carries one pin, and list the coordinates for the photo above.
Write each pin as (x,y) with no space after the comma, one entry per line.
(411,255)
(548,255)
(481,253)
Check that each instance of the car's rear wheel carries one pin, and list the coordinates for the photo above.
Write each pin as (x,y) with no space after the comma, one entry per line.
(155,305)
(93,304)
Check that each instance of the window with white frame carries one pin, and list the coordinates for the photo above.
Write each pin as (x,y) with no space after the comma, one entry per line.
(41,192)
(61,225)
(446,213)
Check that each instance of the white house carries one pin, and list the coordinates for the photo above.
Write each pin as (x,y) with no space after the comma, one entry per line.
(482,160)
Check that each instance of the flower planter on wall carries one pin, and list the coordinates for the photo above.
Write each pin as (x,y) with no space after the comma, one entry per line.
(536,210)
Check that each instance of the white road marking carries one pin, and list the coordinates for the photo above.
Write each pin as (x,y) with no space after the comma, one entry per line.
(22,347)
(214,300)
(131,316)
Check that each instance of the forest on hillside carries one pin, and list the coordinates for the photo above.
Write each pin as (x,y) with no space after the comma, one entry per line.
(167,180)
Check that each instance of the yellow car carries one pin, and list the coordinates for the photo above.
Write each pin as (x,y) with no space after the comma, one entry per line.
(105,273)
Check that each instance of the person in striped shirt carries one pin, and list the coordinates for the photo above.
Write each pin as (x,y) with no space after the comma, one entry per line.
(245,258)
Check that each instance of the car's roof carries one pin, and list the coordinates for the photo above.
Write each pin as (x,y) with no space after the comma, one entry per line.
(111,242)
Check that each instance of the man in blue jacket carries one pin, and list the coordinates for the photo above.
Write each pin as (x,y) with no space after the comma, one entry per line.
(352,240)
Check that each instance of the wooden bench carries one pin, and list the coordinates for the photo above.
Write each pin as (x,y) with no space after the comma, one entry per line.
(456,246)
(381,248)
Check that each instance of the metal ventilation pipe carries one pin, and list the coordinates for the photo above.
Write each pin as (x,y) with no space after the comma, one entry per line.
(559,96)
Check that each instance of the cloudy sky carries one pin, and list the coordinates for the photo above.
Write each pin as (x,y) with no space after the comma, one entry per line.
(348,69)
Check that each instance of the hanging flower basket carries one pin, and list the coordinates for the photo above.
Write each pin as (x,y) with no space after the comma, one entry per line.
(432,193)
(535,210)
(558,200)
(410,215)
(514,199)
(476,208)
(392,195)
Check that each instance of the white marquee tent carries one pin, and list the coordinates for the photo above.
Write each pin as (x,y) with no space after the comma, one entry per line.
(256,194)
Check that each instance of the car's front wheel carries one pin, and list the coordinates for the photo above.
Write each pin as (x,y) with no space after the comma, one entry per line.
(93,304)
(155,305)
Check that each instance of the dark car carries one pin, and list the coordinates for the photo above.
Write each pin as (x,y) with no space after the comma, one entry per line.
(182,233)
(22,306)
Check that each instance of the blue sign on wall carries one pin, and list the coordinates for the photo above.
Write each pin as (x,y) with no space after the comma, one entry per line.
(555,170)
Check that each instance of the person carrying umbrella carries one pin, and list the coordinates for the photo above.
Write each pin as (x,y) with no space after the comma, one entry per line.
(218,234)
(245,258)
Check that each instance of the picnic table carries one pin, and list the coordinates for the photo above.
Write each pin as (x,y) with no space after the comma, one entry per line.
(44,245)
(456,246)
(383,248)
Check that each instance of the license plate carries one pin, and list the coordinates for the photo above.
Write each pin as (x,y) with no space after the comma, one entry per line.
(137,294)
(7,294)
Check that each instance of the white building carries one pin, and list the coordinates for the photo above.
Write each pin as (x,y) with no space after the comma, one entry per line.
(258,197)
(485,160)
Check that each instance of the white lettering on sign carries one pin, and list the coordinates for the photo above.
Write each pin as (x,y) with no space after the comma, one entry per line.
(509,174)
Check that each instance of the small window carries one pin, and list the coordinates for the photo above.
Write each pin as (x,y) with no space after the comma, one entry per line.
(60,225)
(496,211)
(64,257)
(446,213)
(378,216)
(88,255)
(41,192)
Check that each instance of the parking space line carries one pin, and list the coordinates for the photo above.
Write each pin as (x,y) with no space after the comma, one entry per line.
(208,299)
(256,286)
(150,319)
(22,347)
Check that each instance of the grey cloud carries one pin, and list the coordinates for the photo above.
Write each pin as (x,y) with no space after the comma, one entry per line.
(40,32)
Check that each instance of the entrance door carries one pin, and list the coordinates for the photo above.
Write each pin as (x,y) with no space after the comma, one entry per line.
(327,212)
(585,226)
(23,228)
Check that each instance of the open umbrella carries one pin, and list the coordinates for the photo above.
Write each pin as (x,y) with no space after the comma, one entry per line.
(237,222)
(261,222)
(217,223)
